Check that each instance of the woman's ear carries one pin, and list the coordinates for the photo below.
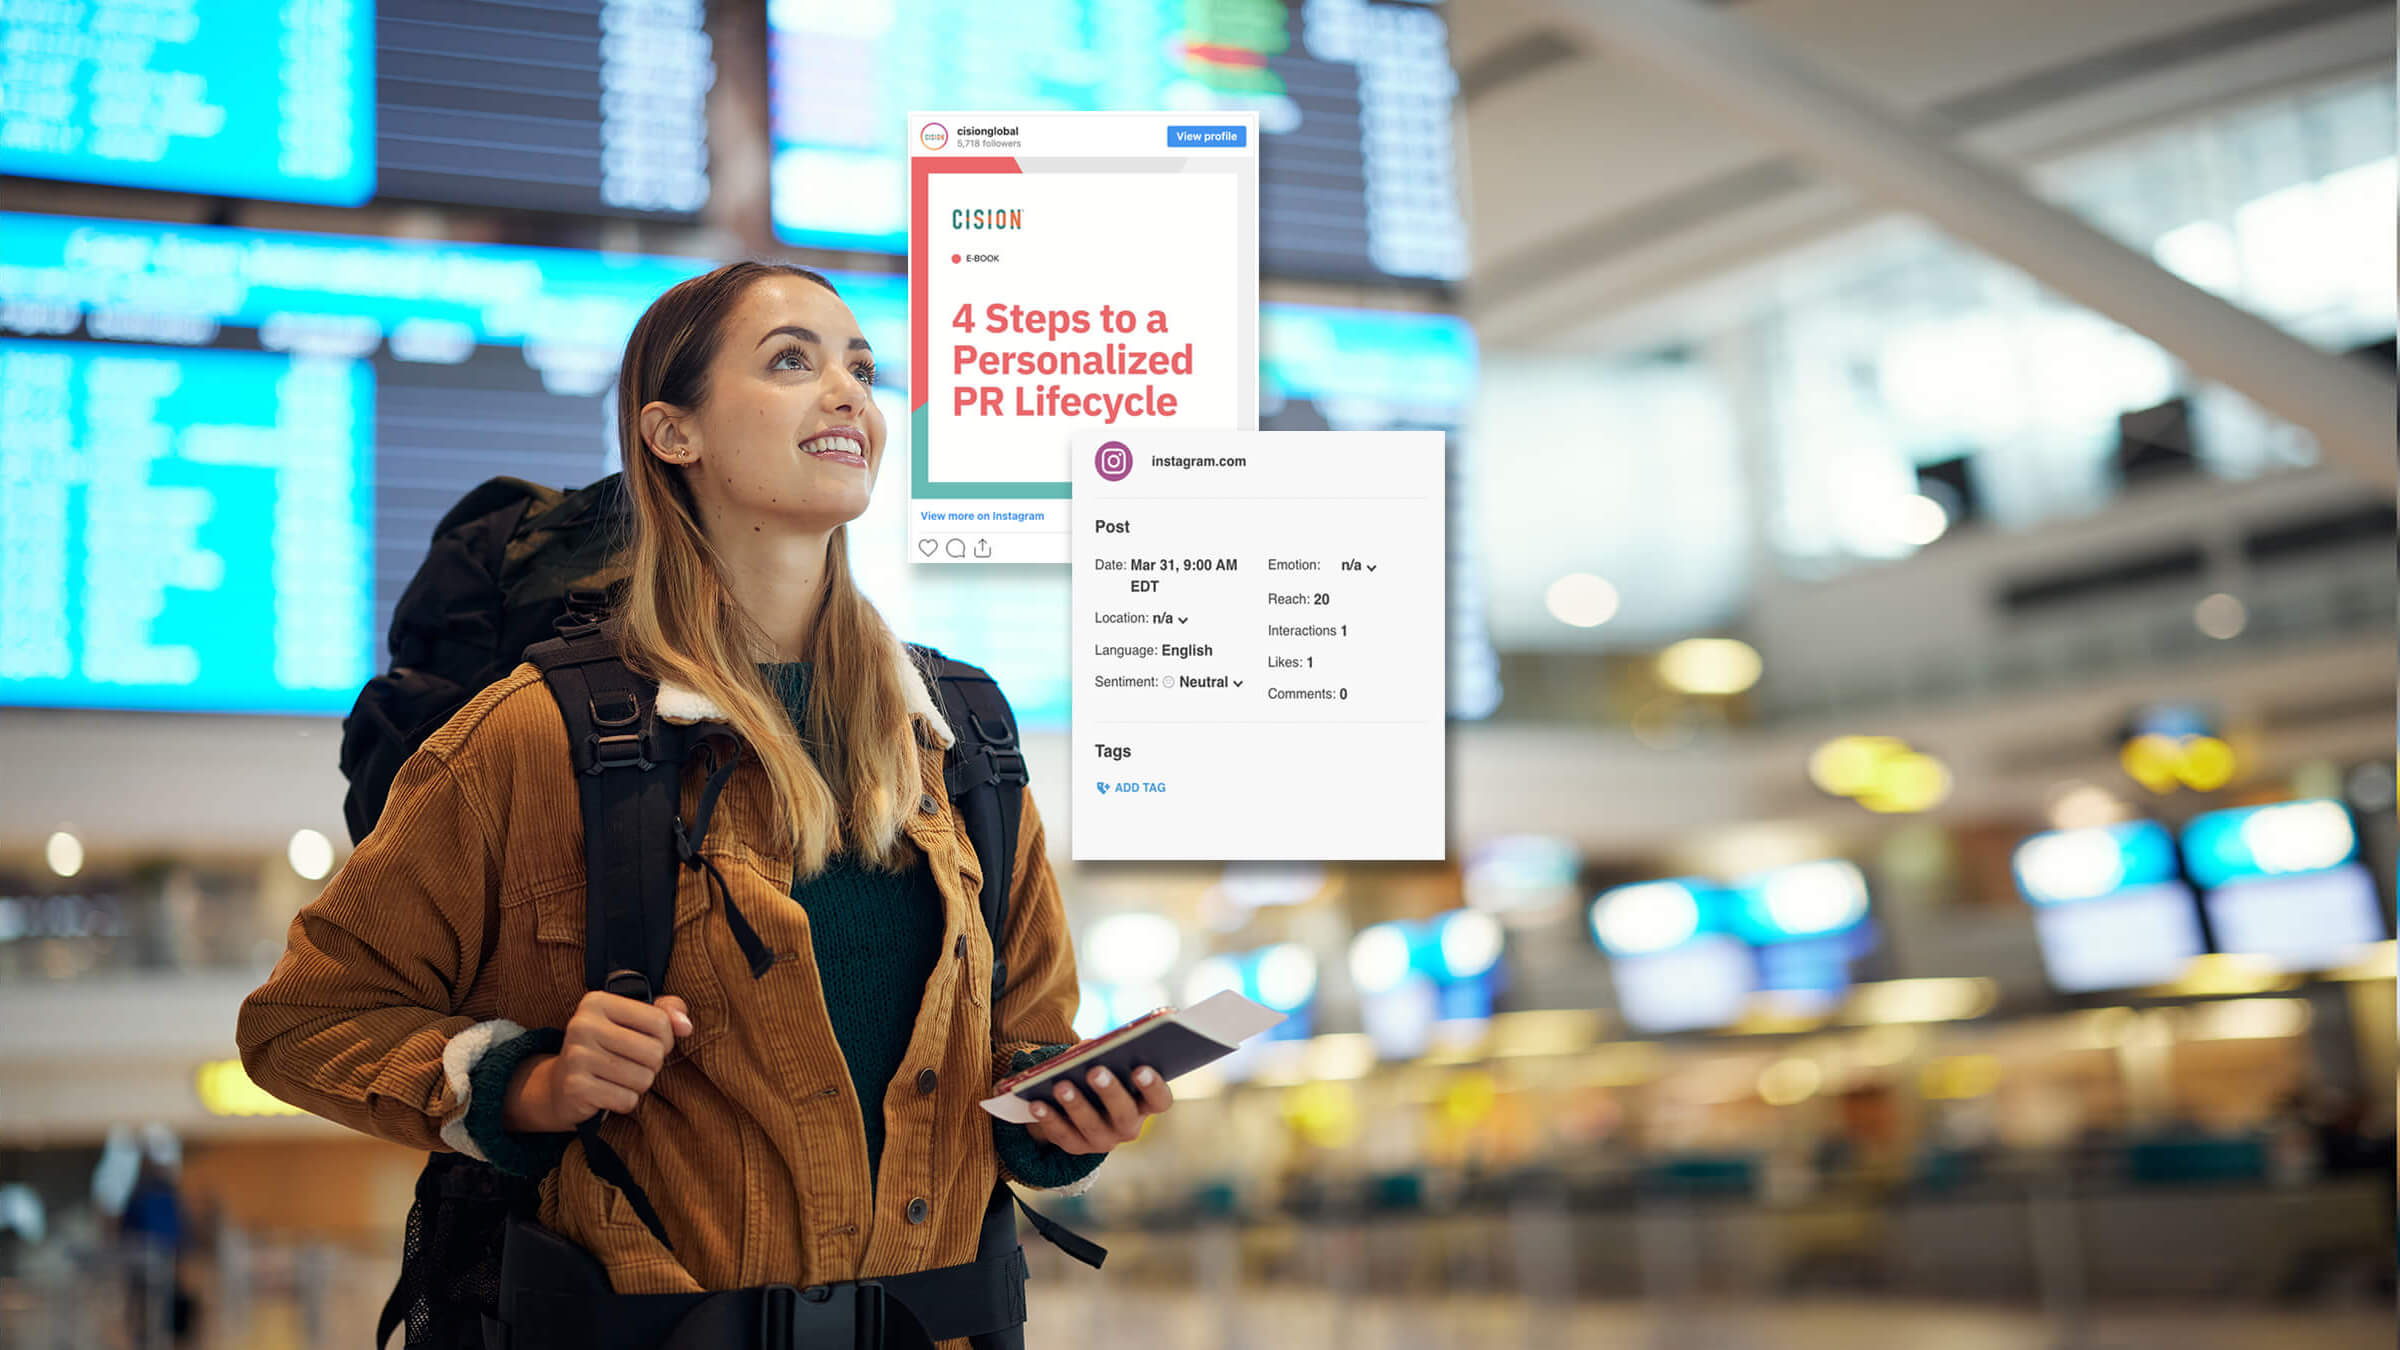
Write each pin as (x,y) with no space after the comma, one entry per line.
(663,433)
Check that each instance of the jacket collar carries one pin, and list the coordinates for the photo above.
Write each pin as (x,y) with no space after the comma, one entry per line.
(677,703)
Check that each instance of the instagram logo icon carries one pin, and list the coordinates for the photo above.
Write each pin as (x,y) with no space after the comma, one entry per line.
(1114,461)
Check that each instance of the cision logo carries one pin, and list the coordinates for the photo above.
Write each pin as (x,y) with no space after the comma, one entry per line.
(992,218)
(933,136)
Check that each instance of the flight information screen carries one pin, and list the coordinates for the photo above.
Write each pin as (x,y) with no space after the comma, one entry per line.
(240,97)
(565,105)
(222,451)
(1357,176)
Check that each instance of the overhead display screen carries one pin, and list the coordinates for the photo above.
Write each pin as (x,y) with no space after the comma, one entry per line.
(2284,882)
(222,96)
(222,451)
(1357,175)
(2109,907)
(566,105)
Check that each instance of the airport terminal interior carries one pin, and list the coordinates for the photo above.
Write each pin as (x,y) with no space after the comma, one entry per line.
(1919,655)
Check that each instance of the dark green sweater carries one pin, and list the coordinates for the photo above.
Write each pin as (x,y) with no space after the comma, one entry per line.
(877,937)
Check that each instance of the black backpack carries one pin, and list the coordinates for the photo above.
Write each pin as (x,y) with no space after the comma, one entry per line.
(507,563)
(518,572)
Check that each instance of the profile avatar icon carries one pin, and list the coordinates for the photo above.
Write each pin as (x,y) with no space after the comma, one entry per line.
(933,136)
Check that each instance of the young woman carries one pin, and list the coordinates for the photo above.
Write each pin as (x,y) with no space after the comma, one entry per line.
(812,1123)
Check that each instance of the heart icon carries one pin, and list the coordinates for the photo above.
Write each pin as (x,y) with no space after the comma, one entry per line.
(927,546)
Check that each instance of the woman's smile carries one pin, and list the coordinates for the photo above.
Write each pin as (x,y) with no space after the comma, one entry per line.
(839,445)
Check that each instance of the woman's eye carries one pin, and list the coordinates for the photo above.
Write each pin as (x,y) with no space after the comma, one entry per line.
(792,355)
(865,374)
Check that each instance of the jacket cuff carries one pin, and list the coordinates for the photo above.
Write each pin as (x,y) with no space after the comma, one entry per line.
(1031,1162)
(479,1063)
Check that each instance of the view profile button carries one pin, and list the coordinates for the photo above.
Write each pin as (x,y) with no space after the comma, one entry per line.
(1208,138)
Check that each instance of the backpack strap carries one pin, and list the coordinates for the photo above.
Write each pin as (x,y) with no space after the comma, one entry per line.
(984,772)
(628,776)
(618,747)
(985,775)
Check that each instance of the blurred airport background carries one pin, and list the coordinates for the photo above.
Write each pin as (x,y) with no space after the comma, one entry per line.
(1922,640)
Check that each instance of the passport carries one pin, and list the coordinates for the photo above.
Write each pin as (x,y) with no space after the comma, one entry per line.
(1172,1042)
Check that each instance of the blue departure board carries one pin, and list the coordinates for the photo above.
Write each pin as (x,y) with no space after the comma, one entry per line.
(222,451)
(254,98)
(595,106)
(183,528)
(1357,173)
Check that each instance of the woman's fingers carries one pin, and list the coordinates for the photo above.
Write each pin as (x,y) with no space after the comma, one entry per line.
(1053,1126)
(1077,1108)
(1103,1114)
(628,1044)
(625,1073)
(1057,1131)
(1124,1116)
(1156,1095)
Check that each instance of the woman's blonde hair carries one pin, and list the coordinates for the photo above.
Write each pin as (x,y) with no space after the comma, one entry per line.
(853,779)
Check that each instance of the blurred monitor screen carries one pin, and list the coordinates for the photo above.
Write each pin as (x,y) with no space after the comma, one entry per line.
(2279,839)
(1703,983)
(1357,178)
(223,451)
(221,96)
(569,105)
(1820,966)
(2307,921)
(2138,936)
(1400,1020)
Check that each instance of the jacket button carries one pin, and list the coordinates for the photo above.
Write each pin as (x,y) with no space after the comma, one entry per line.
(927,1080)
(927,804)
(917,1210)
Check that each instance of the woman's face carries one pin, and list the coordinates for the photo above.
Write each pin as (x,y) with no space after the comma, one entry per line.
(787,438)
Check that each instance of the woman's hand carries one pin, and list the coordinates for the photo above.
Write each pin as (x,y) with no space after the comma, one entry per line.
(1104,1117)
(614,1049)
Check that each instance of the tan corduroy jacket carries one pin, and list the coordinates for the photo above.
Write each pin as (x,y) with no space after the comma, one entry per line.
(460,920)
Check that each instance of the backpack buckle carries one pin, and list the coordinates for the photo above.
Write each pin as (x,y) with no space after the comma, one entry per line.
(625,750)
(821,1316)
(1005,766)
(998,735)
(984,767)
(778,1317)
(623,710)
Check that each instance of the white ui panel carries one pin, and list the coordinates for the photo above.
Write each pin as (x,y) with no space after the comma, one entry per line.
(1068,269)
(1258,645)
